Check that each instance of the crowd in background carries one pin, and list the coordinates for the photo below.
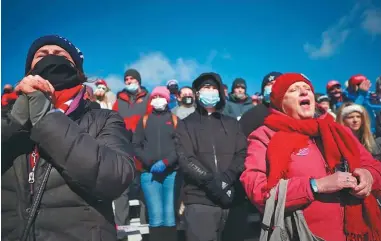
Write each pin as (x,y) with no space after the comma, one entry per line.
(200,150)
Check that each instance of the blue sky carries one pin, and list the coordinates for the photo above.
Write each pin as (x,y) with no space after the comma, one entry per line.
(327,39)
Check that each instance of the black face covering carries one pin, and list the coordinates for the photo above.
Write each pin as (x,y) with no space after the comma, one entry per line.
(59,71)
(173,89)
(187,100)
(7,91)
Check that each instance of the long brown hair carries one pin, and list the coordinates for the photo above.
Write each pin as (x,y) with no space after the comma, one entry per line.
(365,135)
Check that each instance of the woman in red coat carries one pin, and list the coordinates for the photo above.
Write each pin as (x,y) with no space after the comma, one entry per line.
(332,177)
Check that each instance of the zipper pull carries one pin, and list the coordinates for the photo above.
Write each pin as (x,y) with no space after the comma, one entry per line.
(31,177)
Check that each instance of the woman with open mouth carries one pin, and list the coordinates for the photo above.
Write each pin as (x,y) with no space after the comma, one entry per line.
(331,176)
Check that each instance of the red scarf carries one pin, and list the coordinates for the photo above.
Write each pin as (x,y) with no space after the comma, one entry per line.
(362,220)
(62,96)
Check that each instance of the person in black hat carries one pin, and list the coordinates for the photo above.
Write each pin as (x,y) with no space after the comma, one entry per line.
(255,117)
(131,104)
(238,101)
(211,150)
(62,162)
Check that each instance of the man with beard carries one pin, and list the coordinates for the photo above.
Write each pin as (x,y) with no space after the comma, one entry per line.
(186,99)
(103,95)
(335,94)
(62,162)
(238,102)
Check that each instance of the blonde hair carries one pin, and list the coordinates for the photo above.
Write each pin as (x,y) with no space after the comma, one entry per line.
(365,135)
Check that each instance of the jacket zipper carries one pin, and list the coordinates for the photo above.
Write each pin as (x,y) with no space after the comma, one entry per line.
(158,140)
(214,150)
(31,175)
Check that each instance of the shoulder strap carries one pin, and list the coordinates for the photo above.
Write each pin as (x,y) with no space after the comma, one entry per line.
(145,118)
(174,120)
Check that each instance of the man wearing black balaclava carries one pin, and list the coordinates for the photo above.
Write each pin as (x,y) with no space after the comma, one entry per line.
(62,163)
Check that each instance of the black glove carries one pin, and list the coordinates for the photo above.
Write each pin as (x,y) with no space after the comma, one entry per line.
(39,106)
(220,191)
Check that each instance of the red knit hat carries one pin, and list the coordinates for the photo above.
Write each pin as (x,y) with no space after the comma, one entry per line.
(282,84)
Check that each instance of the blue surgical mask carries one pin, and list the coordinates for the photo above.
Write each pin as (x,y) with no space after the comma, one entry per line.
(209,98)
(132,88)
(266,94)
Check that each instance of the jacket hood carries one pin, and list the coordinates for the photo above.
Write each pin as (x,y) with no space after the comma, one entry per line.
(217,79)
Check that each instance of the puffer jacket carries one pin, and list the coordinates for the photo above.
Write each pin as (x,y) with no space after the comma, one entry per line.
(323,213)
(89,152)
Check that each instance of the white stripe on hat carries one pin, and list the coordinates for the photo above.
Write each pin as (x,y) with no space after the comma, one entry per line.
(350,109)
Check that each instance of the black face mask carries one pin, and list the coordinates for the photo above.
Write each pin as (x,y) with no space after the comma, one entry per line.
(7,91)
(59,71)
(173,89)
(187,100)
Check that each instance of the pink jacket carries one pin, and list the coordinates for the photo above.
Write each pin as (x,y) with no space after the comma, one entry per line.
(324,215)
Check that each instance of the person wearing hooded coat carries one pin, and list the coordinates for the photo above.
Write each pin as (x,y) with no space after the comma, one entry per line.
(211,149)
(60,158)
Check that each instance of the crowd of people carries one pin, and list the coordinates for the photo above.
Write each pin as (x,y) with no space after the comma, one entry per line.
(197,155)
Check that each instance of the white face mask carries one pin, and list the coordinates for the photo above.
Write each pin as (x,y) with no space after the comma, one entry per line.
(159,104)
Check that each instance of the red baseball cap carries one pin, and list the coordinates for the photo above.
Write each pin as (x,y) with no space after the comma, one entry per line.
(332,83)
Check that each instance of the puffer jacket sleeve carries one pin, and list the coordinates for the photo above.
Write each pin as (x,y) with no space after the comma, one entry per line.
(188,162)
(254,178)
(101,165)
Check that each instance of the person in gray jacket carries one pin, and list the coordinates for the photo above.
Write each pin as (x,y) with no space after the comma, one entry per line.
(186,99)
(238,101)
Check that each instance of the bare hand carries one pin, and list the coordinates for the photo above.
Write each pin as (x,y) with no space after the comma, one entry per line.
(32,83)
(364,188)
(365,85)
(336,182)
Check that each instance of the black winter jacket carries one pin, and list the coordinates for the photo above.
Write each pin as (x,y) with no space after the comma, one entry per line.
(254,118)
(208,145)
(89,151)
(156,141)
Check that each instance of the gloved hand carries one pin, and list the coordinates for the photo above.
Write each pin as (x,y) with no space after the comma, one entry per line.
(220,191)
(39,106)
(20,110)
(158,167)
